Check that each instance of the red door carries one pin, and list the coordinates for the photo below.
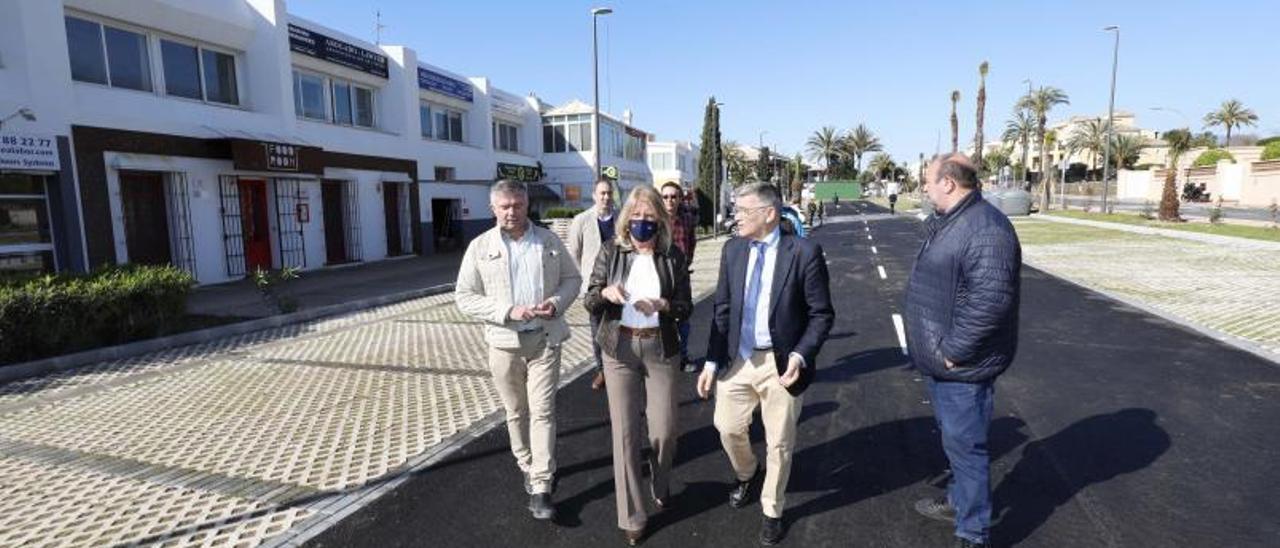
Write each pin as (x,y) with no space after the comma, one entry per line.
(253,223)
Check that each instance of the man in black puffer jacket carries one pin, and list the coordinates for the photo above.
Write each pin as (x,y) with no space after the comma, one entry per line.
(962,332)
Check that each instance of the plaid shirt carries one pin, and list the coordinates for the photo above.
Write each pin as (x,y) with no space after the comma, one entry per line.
(682,232)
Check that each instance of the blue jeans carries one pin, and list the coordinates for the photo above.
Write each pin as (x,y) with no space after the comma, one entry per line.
(963,411)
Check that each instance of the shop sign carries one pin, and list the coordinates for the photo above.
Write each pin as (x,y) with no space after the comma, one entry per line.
(29,152)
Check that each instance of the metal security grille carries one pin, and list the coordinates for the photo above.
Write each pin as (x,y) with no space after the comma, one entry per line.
(181,242)
(293,248)
(406,219)
(232,229)
(351,214)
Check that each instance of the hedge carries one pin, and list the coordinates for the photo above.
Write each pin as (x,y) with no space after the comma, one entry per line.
(1210,157)
(1272,151)
(60,314)
(560,213)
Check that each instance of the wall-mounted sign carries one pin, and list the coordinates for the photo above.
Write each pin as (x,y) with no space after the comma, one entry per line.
(281,157)
(444,85)
(31,152)
(503,105)
(249,155)
(517,172)
(609,172)
(314,44)
(572,193)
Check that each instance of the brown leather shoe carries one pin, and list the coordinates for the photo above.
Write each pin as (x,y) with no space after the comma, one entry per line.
(633,537)
(597,382)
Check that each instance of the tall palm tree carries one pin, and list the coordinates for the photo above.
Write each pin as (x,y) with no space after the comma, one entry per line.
(1090,137)
(982,113)
(1231,114)
(1040,102)
(1126,149)
(955,122)
(824,145)
(1019,130)
(1179,141)
(859,141)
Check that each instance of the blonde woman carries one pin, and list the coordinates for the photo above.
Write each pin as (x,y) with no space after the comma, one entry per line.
(640,287)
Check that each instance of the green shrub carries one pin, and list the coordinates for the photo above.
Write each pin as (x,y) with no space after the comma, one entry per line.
(59,314)
(1268,141)
(560,213)
(1272,151)
(1210,157)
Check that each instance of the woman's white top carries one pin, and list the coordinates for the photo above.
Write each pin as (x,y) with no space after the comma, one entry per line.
(642,283)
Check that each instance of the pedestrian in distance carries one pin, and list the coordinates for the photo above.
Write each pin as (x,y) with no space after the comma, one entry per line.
(962,332)
(893,202)
(683,236)
(640,289)
(587,233)
(771,314)
(519,279)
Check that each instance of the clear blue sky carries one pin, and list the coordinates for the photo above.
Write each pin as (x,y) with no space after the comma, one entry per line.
(791,67)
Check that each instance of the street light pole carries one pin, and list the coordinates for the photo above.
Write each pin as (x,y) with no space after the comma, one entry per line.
(595,80)
(1111,121)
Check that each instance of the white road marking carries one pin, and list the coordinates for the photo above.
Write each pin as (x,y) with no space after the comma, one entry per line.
(881,269)
(902,334)
(873,250)
(868,236)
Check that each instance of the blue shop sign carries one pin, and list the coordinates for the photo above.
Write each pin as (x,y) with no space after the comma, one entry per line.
(444,85)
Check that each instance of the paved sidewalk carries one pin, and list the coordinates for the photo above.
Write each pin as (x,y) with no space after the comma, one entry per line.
(239,441)
(1228,290)
(329,286)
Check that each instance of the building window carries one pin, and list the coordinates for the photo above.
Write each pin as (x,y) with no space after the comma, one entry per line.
(506,137)
(26,237)
(326,99)
(108,55)
(198,73)
(441,123)
(660,160)
(308,96)
(444,173)
(571,133)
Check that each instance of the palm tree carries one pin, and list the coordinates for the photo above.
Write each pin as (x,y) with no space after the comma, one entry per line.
(1090,137)
(982,110)
(1126,149)
(1039,102)
(824,145)
(880,164)
(859,141)
(1019,130)
(955,122)
(1231,114)
(1179,141)
(735,162)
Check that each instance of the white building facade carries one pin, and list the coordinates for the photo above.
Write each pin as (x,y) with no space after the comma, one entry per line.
(568,151)
(674,161)
(223,136)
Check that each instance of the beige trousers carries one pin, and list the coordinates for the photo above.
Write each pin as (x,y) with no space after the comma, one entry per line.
(746,385)
(526,379)
(641,386)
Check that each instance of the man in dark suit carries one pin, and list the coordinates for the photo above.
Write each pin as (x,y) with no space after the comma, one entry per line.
(772,312)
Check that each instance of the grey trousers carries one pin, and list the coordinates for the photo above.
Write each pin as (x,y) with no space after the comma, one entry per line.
(526,380)
(641,386)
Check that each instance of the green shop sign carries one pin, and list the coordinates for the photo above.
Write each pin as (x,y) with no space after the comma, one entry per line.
(517,172)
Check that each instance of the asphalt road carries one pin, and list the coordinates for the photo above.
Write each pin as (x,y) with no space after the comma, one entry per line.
(1112,428)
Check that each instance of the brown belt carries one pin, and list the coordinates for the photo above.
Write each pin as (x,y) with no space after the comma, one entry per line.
(639,332)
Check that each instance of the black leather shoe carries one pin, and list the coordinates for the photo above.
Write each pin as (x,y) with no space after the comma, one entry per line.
(938,508)
(540,506)
(770,531)
(743,492)
(966,543)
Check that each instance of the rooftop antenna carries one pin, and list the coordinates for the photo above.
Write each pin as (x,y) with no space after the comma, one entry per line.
(377,28)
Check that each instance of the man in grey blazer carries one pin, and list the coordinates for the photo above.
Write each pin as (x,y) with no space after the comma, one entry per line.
(587,234)
(518,279)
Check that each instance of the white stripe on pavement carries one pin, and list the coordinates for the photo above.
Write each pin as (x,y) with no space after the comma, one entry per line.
(873,250)
(902,334)
(868,236)
(881,269)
